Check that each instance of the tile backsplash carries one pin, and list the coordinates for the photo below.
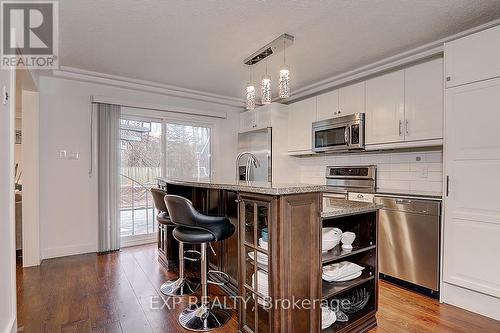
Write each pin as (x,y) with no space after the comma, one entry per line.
(415,171)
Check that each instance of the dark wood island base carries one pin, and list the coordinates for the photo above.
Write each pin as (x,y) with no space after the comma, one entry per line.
(274,259)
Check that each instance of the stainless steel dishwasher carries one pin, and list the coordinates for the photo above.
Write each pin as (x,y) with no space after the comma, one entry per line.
(409,240)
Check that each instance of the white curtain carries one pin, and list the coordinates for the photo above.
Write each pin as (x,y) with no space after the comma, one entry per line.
(108,133)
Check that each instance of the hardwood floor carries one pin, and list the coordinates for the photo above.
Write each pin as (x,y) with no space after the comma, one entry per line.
(119,292)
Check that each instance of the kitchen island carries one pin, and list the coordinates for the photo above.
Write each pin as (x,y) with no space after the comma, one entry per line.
(274,259)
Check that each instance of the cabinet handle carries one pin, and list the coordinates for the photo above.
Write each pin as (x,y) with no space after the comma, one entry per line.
(447,185)
(400,127)
(448,78)
(406,127)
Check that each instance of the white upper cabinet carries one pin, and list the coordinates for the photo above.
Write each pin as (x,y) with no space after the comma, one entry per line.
(385,108)
(248,121)
(328,105)
(352,99)
(341,102)
(255,119)
(473,58)
(424,101)
(300,118)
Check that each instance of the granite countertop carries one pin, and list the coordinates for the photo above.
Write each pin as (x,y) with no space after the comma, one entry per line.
(334,207)
(252,187)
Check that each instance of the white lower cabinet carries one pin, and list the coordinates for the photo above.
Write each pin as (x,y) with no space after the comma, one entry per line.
(301,115)
(472,204)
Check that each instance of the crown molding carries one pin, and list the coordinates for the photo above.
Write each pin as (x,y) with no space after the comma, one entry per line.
(146,86)
(420,53)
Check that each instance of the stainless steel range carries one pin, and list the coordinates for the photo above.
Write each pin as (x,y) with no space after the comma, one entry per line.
(356,183)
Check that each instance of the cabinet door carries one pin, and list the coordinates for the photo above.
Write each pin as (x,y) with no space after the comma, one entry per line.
(385,108)
(473,58)
(327,105)
(300,118)
(352,99)
(255,284)
(262,117)
(472,212)
(248,121)
(424,101)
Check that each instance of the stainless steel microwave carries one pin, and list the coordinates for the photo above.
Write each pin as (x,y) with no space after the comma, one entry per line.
(339,134)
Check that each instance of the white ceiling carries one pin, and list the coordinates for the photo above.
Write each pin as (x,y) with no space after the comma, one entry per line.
(200,45)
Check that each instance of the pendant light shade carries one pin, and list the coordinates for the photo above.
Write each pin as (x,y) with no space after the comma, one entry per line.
(250,96)
(284,85)
(266,89)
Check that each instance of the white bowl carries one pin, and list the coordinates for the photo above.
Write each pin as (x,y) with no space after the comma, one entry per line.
(327,245)
(331,233)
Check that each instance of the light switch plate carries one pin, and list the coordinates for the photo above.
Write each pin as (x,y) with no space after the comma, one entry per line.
(63,154)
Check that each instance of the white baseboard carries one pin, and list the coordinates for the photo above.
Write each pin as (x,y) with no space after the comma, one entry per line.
(68,250)
(11,326)
(482,304)
(138,240)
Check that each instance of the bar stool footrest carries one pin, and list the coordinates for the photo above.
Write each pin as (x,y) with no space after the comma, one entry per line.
(194,258)
(223,276)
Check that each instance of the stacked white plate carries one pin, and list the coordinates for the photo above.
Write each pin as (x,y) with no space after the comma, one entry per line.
(262,285)
(330,238)
(263,244)
(328,317)
(342,271)
(262,258)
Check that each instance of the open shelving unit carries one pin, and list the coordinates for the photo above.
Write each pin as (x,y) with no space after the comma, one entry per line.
(363,253)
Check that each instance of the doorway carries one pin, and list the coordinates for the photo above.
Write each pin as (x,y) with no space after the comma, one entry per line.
(26,166)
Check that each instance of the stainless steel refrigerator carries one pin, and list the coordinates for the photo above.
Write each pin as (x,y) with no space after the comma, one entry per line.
(259,143)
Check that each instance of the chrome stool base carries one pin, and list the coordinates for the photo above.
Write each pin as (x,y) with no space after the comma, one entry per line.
(180,287)
(202,318)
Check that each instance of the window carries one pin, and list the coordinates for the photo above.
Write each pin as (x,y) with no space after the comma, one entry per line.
(188,152)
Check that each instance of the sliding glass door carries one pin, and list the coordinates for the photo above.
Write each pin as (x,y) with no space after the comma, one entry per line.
(151,148)
(141,163)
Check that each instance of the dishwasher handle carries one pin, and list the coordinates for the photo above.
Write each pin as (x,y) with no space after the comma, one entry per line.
(403,201)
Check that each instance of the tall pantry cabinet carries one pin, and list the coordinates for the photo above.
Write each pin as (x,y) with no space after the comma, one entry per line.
(471,232)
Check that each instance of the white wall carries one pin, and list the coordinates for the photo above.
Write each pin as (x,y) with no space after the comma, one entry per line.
(7,242)
(68,197)
(414,171)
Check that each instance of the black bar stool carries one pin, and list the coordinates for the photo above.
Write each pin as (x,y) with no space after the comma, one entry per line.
(182,285)
(196,228)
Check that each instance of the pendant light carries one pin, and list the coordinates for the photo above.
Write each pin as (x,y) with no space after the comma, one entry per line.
(266,88)
(250,93)
(284,84)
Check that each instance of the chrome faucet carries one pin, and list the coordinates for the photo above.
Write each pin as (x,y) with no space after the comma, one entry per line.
(252,162)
